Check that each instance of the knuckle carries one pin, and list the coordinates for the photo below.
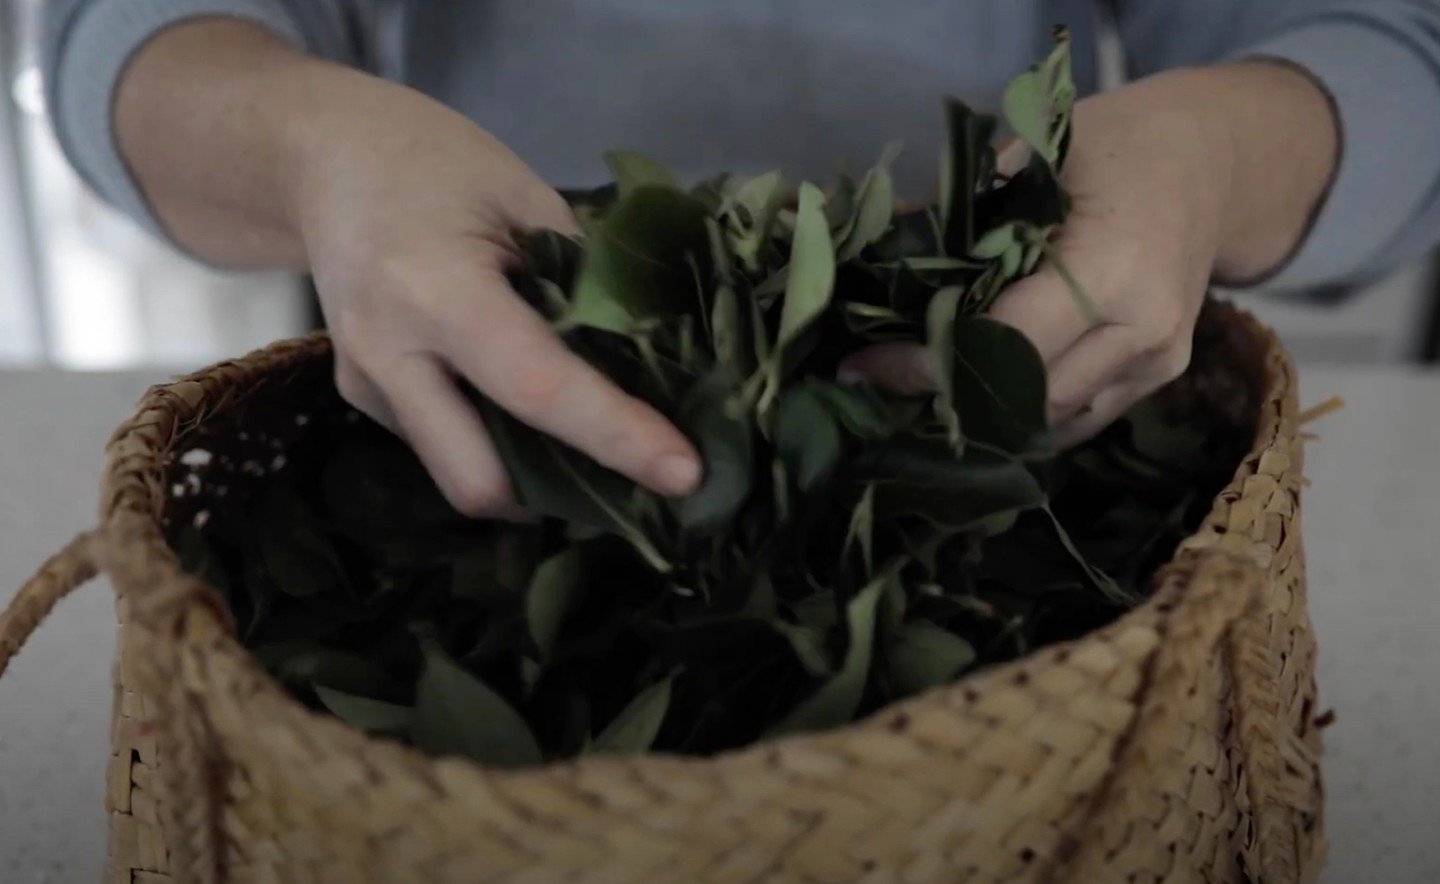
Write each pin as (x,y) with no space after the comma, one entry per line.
(411,280)
(1066,405)
(1158,328)
(1175,359)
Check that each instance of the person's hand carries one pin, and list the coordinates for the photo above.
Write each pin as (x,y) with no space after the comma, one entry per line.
(407,213)
(1174,180)
(256,155)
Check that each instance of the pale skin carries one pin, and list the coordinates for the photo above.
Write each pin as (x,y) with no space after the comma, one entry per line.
(255,155)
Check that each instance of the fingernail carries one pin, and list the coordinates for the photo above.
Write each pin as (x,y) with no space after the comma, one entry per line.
(679,474)
(849,375)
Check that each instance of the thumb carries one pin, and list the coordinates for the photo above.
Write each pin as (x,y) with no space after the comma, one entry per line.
(1011,157)
(901,367)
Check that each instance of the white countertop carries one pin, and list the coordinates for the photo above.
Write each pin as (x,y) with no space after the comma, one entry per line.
(1372,528)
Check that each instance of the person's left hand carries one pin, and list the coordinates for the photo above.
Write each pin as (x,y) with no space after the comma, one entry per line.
(1157,172)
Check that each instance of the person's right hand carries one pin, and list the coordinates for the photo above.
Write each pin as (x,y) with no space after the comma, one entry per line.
(407,212)
(255,155)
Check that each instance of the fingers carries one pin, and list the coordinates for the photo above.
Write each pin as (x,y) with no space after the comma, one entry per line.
(1101,357)
(511,355)
(1044,309)
(1104,374)
(447,435)
(543,208)
(901,367)
(1108,405)
(357,389)
(1011,157)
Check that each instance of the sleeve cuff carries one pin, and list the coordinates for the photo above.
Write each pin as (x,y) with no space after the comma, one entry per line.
(1389,151)
(100,43)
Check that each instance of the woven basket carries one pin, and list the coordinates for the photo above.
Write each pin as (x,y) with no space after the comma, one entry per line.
(1176,744)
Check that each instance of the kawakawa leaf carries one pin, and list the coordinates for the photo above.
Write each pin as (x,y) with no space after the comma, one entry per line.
(552,594)
(371,716)
(458,714)
(922,655)
(635,728)
(633,170)
(636,262)
(837,699)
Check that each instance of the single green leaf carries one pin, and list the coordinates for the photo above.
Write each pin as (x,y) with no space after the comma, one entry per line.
(818,610)
(999,384)
(808,643)
(553,480)
(633,170)
(966,165)
(759,335)
(861,531)
(552,594)
(1010,261)
(458,714)
(940,336)
(761,197)
(940,263)
(637,259)
(1055,70)
(637,725)
(947,490)
(757,202)
(922,655)
(727,337)
(1037,103)
(307,662)
(995,243)
(806,436)
(874,207)
(837,699)
(724,440)
(859,409)
(366,714)
(811,277)
(890,610)
(1026,106)
(809,283)
(532,462)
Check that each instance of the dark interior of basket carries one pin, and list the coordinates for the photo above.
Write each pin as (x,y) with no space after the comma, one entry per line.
(295,431)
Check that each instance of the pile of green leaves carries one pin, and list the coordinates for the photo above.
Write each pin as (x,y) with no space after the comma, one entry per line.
(847,547)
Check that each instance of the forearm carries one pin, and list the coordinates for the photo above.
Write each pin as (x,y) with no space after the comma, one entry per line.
(213,119)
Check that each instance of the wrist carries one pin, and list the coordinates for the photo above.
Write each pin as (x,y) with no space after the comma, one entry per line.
(1276,136)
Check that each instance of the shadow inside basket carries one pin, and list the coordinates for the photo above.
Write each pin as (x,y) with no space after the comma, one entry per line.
(358,588)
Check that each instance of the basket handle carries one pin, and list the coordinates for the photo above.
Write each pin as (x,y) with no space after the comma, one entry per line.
(1215,611)
(62,574)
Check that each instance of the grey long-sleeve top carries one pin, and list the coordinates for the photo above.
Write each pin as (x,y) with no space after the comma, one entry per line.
(747,85)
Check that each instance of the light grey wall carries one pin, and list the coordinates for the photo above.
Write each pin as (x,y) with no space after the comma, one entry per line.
(20,339)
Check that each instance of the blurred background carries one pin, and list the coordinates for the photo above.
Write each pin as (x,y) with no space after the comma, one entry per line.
(86,289)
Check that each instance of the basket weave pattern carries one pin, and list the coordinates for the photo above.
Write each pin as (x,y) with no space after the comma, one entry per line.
(1176,744)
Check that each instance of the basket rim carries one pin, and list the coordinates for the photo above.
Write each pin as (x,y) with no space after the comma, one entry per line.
(133,496)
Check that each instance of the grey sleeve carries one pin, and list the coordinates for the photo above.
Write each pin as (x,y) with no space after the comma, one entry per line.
(87,44)
(1380,62)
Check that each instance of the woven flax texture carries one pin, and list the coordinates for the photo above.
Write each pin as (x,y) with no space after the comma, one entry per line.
(1176,744)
